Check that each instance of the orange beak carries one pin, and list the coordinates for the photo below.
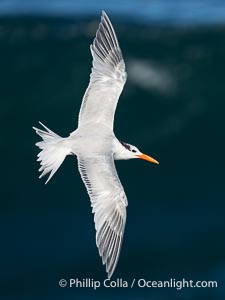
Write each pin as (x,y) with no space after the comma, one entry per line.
(148,158)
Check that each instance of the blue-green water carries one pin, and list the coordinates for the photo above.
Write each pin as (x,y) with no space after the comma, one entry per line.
(180,12)
(172,108)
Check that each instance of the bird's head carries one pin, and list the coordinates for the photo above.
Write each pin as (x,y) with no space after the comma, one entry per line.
(133,152)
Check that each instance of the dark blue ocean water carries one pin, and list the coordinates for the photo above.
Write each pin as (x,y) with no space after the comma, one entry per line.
(165,11)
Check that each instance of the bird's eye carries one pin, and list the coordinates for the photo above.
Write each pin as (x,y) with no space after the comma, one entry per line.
(134,151)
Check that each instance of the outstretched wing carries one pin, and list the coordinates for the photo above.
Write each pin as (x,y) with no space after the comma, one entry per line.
(109,202)
(107,78)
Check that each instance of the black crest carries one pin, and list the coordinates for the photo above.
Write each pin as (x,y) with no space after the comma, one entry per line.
(127,146)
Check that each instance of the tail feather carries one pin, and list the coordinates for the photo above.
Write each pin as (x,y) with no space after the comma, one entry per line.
(53,151)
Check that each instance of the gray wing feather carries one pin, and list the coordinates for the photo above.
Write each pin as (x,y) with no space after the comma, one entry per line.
(108,202)
(107,78)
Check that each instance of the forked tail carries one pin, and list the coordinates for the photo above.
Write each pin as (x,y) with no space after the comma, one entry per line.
(54,149)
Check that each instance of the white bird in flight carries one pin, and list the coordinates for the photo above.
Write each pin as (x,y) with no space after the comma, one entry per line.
(96,146)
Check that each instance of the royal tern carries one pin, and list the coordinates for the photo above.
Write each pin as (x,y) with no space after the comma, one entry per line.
(96,146)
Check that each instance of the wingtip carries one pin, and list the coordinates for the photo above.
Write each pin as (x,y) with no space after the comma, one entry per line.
(104,15)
